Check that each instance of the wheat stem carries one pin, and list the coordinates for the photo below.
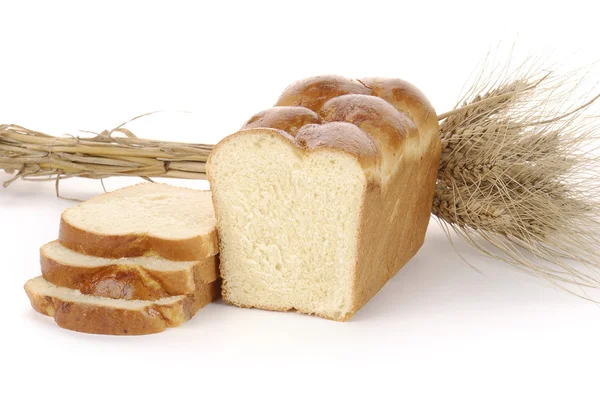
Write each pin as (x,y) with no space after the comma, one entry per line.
(34,154)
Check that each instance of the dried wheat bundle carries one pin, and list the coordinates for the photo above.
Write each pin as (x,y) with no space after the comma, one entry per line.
(118,152)
(519,176)
(518,179)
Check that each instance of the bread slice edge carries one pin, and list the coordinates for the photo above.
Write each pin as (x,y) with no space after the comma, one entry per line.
(75,235)
(96,315)
(177,278)
(134,245)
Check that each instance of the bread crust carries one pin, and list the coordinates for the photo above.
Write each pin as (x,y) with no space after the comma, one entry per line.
(132,245)
(313,92)
(405,97)
(337,135)
(398,196)
(394,219)
(287,118)
(96,319)
(128,281)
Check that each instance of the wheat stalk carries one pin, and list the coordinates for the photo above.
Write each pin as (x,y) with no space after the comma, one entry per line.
(37,156)
(518,177)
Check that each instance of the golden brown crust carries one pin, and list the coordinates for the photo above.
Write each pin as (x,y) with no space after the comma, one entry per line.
(337,135)
(394,224)
(288,119)
(95,319)
(313,92)
(394,221)
(123,282)
(386,125)
(129,281)
(405,97)
(126,246)
(338,99)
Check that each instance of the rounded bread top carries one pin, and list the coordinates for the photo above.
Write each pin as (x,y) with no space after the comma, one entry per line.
(313,92)
(394,119)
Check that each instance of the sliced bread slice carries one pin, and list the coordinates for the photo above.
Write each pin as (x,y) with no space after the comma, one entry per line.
(142,277)
(145,219)
(73,310)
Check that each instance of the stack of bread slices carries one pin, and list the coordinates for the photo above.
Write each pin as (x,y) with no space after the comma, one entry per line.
(133,261)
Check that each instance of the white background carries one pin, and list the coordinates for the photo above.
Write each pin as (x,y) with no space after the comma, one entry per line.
(438,330)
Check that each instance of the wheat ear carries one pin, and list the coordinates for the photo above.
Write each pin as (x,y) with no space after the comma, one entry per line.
(519,177)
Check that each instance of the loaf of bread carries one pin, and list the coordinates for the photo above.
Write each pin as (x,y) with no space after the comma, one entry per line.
(73,310)
(142,277)
(143,220)
(321,199)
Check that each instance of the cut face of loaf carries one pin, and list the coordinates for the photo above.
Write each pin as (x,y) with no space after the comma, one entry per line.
(145,219)
(73,310)
(322,199)
(289,224)
(144,278)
